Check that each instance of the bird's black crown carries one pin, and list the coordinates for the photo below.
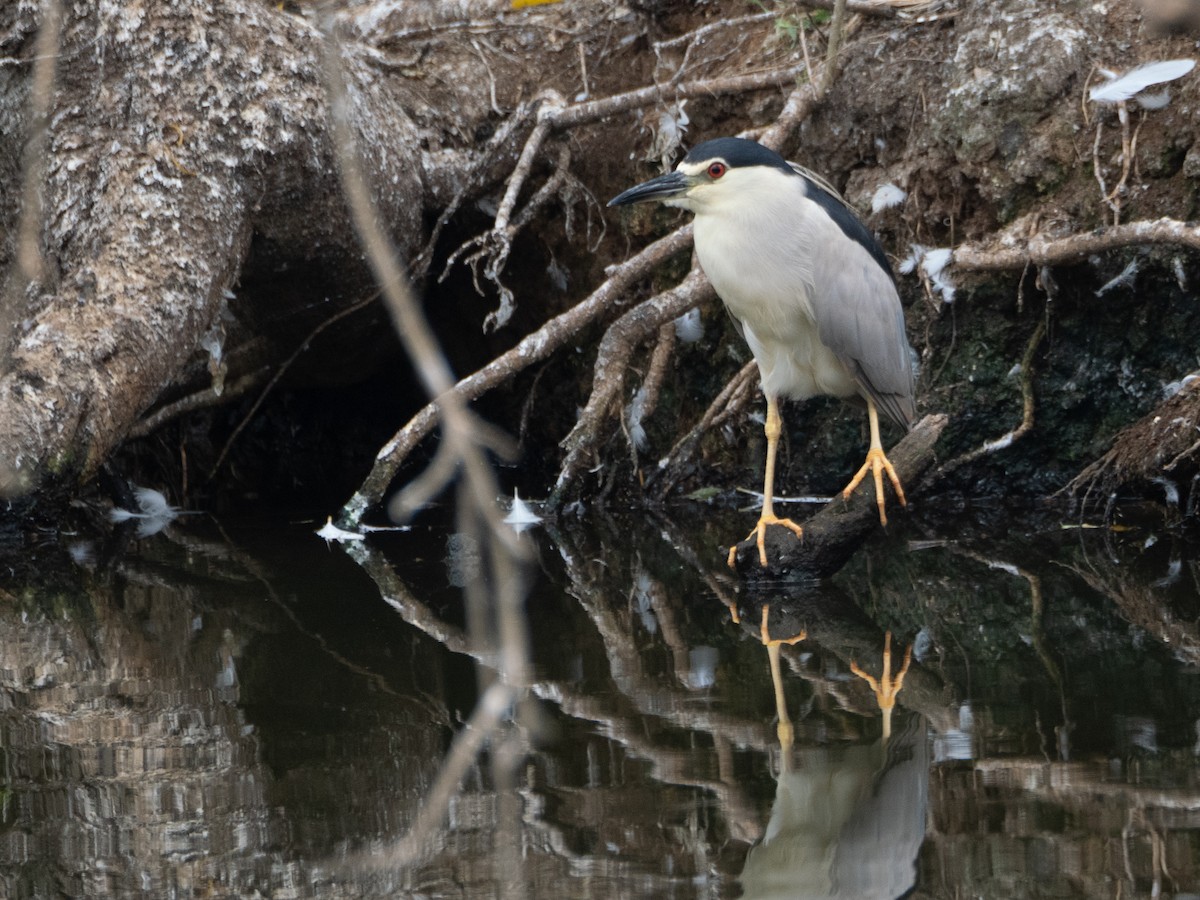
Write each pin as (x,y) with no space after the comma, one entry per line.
(738,153)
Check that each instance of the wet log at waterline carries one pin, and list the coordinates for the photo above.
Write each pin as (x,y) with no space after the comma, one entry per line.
(841,526)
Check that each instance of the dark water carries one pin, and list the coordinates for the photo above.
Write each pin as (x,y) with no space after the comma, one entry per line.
(243,711)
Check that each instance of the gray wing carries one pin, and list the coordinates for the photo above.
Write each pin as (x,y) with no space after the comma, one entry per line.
(857,309)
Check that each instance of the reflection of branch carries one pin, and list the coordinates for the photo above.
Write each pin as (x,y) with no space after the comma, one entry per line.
(1038,635)
(1086,781)
(684,544)
(651,695)
(1144,606)
(648,696)
(667,764)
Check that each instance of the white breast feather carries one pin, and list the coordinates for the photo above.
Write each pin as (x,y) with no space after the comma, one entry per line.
(743,247)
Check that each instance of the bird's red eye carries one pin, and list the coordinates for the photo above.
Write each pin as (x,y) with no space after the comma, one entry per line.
(716,170)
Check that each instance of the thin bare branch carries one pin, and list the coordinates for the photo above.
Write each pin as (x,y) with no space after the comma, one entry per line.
(837,29)
(732,397)
(612,361)
(532,349)
(595,110)
(495,246)
(279,373)
(1043,250)
(657,373)
(500,140)
(551,102)
(192,402)
(720,25)
(1027,410)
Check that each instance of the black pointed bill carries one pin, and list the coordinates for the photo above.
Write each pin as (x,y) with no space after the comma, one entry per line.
(664,187)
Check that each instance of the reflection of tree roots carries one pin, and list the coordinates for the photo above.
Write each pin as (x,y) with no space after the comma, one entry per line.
(1038,638)
(648,696)
(1143,605)
(1137,821)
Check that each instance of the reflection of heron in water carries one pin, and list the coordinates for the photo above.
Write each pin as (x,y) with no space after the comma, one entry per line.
(848,821)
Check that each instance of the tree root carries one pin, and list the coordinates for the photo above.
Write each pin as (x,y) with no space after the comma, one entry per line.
(1161,448)
(1010,252)
(729,402)
(616,349)
(534,348)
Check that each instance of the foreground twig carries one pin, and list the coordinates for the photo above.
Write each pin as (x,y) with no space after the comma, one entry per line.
(495,583)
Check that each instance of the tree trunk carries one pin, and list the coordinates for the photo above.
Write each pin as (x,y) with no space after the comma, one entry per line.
(177,131)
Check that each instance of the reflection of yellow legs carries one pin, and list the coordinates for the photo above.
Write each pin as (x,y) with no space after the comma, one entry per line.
(785,730)
(886,688)
(877,463)
(773,428)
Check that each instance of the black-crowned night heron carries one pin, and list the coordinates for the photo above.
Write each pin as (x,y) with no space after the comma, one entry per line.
(808,286)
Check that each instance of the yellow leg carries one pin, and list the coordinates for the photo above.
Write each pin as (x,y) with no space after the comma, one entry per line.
(877,463)
(886,688)
(773,429)
(784,729)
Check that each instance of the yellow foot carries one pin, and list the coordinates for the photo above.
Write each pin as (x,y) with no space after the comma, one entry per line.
(764,633)
(877,463)
(761,530)
(886,688)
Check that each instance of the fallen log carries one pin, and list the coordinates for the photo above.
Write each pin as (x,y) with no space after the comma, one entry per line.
(840,527)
